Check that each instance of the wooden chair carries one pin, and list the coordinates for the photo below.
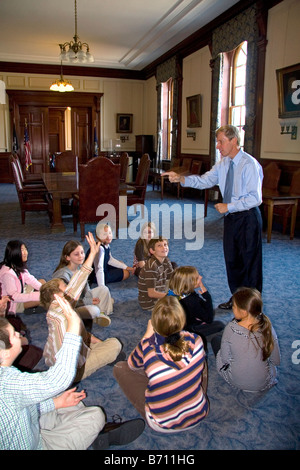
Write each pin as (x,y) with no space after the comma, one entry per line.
(124,162)
(195,169)
(137,192)
(271,176)
(285,211)
(184,165)
(99,182)
(66,162)
(270,184)
(31,199)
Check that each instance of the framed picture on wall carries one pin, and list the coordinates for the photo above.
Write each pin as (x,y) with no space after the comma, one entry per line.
(288,87)
(124,123)
(193,110)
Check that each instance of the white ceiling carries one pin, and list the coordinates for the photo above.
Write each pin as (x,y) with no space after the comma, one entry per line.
(125,34)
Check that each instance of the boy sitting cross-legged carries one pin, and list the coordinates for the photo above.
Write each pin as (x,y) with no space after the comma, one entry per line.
(94,353)
(154,277)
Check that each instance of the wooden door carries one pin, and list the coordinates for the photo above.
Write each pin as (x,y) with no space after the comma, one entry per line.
(56,130)
(82,133)
(37,119)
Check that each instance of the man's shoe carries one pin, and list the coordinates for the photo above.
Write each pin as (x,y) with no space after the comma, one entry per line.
(226,305)
(103,320)
(118,434)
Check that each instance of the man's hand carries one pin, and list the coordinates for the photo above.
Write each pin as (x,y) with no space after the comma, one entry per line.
(221,207)
(69,398)
(74,321)
(174,177)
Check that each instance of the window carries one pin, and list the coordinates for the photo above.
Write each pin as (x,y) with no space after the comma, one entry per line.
(237,104)
(166,119)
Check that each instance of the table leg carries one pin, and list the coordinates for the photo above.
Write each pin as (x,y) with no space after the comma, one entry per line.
(162,187)
(293,219)
(57,224)
(270,220)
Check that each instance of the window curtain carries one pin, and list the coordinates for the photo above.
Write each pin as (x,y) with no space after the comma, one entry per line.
(226,38)
(164,72)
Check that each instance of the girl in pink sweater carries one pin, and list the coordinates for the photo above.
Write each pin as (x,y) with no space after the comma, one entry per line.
(15,279)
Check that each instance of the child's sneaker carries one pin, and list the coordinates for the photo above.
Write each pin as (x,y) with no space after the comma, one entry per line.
(102,320)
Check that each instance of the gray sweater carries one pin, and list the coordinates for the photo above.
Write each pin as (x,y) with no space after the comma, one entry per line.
(239,360)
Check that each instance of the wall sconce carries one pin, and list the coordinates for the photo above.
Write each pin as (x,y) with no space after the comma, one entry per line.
(191,134)
(123,138)
(289,127)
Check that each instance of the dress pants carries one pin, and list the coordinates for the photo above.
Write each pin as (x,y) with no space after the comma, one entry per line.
(242,242)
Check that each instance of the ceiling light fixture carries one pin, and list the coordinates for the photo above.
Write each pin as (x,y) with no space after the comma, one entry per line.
(61,84)
(75,53)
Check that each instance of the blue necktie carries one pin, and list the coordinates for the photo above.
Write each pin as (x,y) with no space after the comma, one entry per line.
(228,184)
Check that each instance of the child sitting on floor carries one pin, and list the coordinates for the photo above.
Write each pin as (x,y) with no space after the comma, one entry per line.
(154,276)
(141,250)
(247,353)
(93,303)
(165,377)
(107,268)
(187,285)
(94,352)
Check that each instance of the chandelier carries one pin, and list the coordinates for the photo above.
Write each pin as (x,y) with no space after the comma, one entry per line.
(75,52)
(61,84)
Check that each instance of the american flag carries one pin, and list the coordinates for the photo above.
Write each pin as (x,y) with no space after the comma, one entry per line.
(27,148)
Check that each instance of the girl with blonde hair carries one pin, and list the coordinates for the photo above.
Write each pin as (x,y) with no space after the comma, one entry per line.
(187,285)
(107,268)
(165,377)
(141,249)
(249,350)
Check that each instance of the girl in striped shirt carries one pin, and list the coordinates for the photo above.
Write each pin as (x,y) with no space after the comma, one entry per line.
(166,374)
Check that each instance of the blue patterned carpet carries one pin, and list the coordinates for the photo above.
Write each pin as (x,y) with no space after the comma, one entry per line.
(237,421)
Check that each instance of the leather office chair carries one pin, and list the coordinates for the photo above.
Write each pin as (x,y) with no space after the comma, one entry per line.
(138,193)
(31,199)
(30,179)
(124,162)
(66,162)
(99,182)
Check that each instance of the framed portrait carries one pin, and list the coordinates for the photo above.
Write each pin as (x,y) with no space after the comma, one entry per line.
(193,110)
(288,87)
(124,123)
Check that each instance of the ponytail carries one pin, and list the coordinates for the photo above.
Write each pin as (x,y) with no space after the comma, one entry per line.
(265,328)
(168,319)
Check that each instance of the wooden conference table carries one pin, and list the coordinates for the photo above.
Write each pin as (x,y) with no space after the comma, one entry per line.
(60,186)
(273,198)
(64,186)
